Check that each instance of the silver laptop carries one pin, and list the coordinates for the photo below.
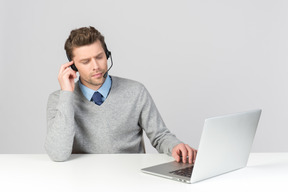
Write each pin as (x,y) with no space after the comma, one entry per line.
(224,146)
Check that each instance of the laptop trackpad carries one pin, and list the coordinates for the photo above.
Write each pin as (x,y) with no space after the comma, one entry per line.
(169,169)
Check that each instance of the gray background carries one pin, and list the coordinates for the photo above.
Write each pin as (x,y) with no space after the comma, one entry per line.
(197,58)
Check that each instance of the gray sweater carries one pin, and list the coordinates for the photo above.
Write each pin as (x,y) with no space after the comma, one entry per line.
(76,125)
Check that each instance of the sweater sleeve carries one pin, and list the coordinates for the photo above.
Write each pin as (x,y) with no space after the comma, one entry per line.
(60,125)
(151,121)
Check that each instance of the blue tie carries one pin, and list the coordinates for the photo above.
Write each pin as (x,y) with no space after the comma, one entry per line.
(97,98)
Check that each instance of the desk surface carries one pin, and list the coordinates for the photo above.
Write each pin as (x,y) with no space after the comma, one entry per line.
(265,171)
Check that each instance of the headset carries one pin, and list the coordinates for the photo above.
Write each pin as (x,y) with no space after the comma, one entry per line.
(108,55)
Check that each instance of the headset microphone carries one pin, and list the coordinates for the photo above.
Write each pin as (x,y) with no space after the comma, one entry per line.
(110,55)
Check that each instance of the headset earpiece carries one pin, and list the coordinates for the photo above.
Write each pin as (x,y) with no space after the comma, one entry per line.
(73,65)
(107,52)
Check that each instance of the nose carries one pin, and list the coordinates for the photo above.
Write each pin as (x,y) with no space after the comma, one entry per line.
(94,64)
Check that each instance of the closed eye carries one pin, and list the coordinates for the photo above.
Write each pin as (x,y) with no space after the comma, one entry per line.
(86,61)
(99,56)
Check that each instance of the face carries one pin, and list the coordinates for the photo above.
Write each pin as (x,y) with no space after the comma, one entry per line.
(91,63)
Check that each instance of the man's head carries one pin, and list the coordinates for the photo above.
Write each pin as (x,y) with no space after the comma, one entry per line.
(83,36)
(87,48)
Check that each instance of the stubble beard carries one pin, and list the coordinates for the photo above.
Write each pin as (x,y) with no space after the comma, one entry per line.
(93,83)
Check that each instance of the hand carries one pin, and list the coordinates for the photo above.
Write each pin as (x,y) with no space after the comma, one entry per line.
(182,151)
(66,77)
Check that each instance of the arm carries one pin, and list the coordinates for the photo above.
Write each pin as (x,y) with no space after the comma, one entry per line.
(160,137)
(60,117)
(60,125)
(151,122)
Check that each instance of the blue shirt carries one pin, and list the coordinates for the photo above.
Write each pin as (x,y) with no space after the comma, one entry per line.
(104,89)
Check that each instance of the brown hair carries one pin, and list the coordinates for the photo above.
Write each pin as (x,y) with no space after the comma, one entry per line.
(82,36)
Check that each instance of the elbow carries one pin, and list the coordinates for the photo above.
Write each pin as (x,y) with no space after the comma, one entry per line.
(58,158)
(58,155)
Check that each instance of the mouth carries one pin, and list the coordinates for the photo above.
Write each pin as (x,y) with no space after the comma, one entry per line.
(97,75)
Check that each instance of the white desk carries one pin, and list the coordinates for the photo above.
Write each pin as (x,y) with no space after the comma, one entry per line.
(265,171)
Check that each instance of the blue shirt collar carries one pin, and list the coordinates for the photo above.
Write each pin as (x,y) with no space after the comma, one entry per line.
(104,89)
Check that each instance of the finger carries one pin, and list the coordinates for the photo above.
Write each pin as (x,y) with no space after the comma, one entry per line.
(65,66)
(190,153)
(195,154)
(176,156)
(176,152)
(67,75)
(184,153)
(69,63)
(68,72)
(72,73)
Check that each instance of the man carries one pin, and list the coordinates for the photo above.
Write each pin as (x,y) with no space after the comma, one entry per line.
(102,113)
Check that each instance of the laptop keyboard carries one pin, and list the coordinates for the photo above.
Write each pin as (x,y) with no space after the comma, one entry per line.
(186,172)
